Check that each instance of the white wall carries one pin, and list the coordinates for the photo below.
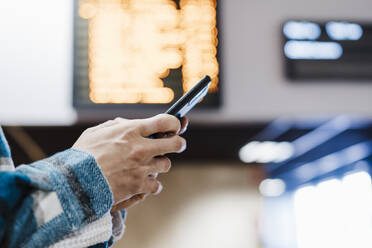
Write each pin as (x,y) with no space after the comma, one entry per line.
(255,86)
(36,62)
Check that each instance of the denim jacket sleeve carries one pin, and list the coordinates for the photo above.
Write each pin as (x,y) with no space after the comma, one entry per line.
(43,202)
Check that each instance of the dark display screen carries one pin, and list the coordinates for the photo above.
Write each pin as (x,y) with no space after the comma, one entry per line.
(333,50)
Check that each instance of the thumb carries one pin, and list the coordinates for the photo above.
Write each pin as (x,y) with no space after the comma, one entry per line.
(128,203)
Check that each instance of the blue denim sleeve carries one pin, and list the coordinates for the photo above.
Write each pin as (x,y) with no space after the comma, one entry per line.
(42,202)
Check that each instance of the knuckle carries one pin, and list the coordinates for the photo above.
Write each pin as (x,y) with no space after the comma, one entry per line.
(138,153)
(119,119)
(88,130)
(141,126)
(117,143)
(129,133)
(107,122)
(139,173)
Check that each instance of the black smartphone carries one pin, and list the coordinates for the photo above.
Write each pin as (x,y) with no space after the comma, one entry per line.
(187,102)
(190,99)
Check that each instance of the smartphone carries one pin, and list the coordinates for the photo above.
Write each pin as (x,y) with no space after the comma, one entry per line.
(191,98)
(187,102)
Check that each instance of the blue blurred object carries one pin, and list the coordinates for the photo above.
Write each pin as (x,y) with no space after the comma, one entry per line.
(326,148)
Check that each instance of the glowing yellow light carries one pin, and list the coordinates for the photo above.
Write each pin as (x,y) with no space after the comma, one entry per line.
(87,10)
(199,25)
(134,43)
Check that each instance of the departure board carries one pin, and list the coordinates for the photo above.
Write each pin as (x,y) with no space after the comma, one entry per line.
(329,50)
(144,52)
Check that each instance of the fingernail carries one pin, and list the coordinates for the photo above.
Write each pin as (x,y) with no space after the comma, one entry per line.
(185,128)
(183,148)
(160,188)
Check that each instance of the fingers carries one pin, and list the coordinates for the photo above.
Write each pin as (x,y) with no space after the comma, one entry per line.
(162,123)
(152,185)
(174,144)
(128,203)
(158,165)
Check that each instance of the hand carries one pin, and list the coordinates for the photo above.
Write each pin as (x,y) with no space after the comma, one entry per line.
(128,158)
(134,200)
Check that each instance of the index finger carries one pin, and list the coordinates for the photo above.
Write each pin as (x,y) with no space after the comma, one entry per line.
(162,123)
(173,144)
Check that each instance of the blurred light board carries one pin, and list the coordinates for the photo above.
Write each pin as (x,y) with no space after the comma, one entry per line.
(141,53)
(332,50)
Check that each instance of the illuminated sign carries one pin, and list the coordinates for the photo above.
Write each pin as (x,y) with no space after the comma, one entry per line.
(328,50)
(133,45)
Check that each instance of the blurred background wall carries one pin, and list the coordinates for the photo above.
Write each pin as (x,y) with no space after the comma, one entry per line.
(202,205)
(36,56)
